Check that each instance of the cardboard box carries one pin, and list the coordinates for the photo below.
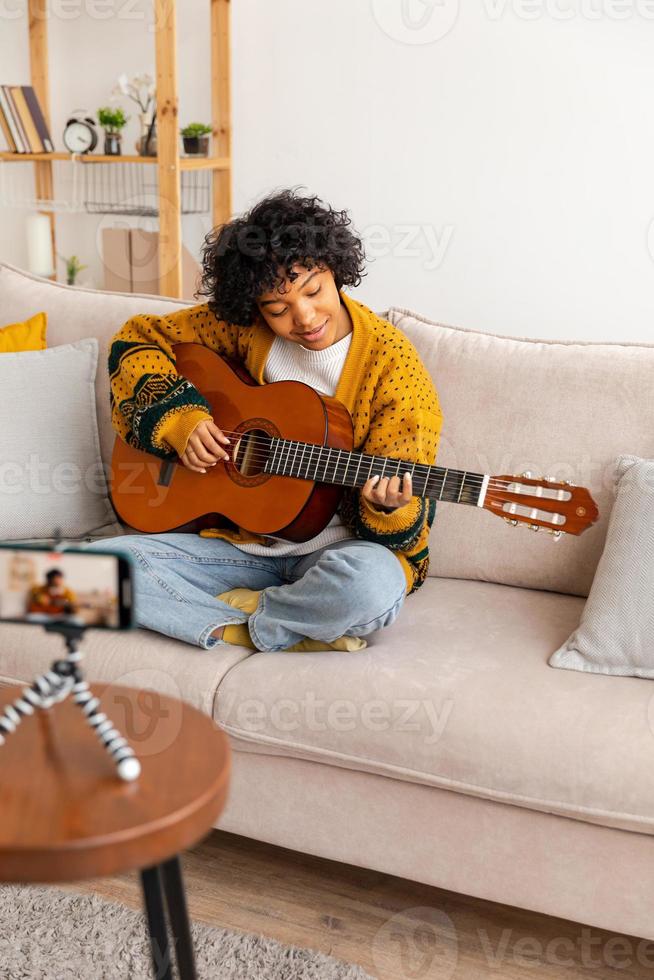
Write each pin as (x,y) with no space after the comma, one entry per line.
(131,263)
(116,259)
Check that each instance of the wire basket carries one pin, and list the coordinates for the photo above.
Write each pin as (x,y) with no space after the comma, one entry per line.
(102,188)
(127,188)
(18,187)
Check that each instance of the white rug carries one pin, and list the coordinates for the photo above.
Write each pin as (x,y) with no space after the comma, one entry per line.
(50,934)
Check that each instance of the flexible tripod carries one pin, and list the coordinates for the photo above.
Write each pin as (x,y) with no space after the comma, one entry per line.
(66,677)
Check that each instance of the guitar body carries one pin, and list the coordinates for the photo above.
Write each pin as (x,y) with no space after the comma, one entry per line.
(154,495)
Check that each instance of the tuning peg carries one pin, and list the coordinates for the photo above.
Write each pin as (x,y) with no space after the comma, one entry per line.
(526,473)
(534,527)
(556,535)
(550,479)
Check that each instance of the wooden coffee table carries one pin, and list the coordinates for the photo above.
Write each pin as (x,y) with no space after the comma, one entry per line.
(66,815)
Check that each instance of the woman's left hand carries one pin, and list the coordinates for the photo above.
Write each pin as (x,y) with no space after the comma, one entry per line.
(386,492)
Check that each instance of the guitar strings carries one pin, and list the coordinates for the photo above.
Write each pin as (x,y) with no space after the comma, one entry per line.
(263,454)
(470,480)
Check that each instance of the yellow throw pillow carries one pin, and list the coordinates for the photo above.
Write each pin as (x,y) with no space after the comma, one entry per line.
(29,335)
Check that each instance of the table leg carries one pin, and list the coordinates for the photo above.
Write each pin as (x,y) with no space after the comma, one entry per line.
(171,873)
(154,910)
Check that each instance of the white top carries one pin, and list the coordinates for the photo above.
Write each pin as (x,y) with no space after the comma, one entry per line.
(290,361)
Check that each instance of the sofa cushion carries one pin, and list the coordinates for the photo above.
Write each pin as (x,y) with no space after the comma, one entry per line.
(566,409)
(135,658)
(616,632)
(458,694)
(74,313)
(52,474)
(29,334)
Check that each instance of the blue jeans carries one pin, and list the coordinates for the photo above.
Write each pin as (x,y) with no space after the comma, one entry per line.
(350,587)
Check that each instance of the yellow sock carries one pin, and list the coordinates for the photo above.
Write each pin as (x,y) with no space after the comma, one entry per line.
(247,601)
(238,635)
(346,643)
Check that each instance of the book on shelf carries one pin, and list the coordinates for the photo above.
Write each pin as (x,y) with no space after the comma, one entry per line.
(4,125)
(26,121)
(22,120)
(37,117)
(9,124)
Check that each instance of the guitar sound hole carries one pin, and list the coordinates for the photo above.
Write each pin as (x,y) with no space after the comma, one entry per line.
(251,452)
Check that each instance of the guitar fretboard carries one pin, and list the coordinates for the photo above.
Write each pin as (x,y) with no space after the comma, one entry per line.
(322,464)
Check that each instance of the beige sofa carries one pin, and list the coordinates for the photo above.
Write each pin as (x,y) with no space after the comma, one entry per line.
(448,751)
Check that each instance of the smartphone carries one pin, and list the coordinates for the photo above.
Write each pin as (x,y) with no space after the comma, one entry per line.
(92,589)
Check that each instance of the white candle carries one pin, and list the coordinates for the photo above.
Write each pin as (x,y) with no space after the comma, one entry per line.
(40,259)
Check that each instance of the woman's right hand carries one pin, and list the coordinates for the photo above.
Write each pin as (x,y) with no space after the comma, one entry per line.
(204,448)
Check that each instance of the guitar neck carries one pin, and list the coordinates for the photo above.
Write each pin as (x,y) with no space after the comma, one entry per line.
(322,464)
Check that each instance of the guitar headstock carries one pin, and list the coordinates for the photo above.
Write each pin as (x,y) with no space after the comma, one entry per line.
(560,508)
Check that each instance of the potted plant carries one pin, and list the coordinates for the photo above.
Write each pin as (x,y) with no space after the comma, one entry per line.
(112,120)
(196,139)
(141,89)
(73,268)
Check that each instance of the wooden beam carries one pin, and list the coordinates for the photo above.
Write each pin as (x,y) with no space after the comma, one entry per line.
(170,221)
(38,49)
(221,117)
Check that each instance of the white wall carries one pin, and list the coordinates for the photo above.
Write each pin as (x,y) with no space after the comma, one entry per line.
(503,173)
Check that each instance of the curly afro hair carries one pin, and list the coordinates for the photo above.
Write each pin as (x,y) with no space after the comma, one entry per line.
(243,259)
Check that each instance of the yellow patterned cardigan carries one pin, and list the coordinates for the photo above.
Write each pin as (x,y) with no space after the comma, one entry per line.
(384,385)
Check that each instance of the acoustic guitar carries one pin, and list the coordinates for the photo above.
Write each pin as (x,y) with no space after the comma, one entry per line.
(291,457)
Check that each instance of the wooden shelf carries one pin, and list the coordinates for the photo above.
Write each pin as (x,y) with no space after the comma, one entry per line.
(169,163)
(204,163)
(185,163)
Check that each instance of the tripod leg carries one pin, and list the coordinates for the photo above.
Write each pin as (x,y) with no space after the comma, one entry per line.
(46,689)
(127,764)
(154,910)
(180,928)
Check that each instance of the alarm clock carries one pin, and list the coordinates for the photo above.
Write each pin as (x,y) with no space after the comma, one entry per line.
(80,134)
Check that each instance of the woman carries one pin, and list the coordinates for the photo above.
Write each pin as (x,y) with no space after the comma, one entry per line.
(52,600)
(274,281)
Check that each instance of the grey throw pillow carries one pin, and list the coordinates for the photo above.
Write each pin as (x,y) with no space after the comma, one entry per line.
(51,473)
(616,632)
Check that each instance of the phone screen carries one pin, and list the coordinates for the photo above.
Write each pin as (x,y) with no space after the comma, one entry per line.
(83,588)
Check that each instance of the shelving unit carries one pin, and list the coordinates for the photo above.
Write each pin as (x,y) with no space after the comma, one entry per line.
(168,161)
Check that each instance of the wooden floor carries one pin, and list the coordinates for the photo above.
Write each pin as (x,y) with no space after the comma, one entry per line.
(394,929)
